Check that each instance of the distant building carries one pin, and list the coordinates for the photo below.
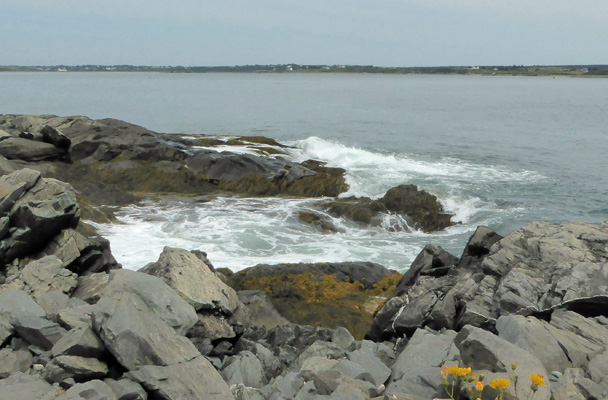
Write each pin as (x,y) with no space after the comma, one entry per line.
(476,67)
(584,70)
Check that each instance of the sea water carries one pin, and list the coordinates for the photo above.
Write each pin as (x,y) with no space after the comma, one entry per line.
(496,151)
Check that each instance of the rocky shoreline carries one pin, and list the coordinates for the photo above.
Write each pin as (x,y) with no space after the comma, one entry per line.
(74,325)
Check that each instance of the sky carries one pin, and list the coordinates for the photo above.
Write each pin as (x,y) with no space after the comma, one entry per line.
(387,33)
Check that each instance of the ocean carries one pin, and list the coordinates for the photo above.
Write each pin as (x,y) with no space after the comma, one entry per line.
(496,151)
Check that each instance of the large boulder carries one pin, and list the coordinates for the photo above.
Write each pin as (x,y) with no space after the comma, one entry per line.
(192,279)
(20,386)
(29,150)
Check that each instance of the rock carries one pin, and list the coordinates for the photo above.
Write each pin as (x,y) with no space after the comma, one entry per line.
(244,368)
(136,336)
(212,327)
(29,150)
(371,363)
(486,353)
(261,310)
(156,295)
(43,211)
(81,341)
(416,372)
(478,246)
(431,258)
(242,392)
(193,379)
(342,338)
(78,368)
(48,275)
(54,303)
(573,383)
(6,330)
(286,386)
(126,389)
(19,386)
(14,361)
(54,137)
(28,319)
(76,317)
(92,390)
(14,185)
(598,368)
(193,280)
(270,364)
(90,287)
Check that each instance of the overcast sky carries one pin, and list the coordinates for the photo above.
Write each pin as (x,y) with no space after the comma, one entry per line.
(370,32)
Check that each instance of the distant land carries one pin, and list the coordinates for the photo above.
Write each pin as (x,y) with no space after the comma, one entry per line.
(536,70)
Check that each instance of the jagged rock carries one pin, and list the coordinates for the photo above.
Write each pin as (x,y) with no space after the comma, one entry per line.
(193,379)
(193,280)
(156,295)
(81,341)
(270,364)
(575,385)
(20,386)
(366,358)
(342,338)
(242,392)
(92,390)
(212,327)
(416,372)
(261,310)
(40,213)
(76,317)
(486,353)
(285,386)
(28,319)
(78,368)
(478,246)
(54,137)
(244,368)
(90,287)
(126,389)
(136,336)
(47,275)
(14,185)
(54,303)
(431,258)
(14,361)
(6,329)
(598,368)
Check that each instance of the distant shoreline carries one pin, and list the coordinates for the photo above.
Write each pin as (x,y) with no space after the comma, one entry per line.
(565,70)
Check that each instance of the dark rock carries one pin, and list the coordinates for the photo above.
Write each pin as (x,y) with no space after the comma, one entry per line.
(54,137)
(14,185)
(430,258)
(478,246)
(20,386)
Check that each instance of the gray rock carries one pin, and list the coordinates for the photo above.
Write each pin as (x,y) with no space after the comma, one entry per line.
(6,330)
(137,336)
(28,150)
(28,319)
(242,392)
(14,361)
(213,327)
(156,295)
(14,185)
(48,275)
(598,368)
(19,386)
(42,212)
(372,364)
(417,371)
(286,386)
(354,370)
(574,382)
(193,379)
(81,341)
(534,336)
(430,258)
(193,280)
(349,392)
(126,389)
(78,368)
(55,302)
(76,317)
(486,353)
(90,287)
(244,368)
(92,390)
(262,312)
(319,348)
(343,338)
(54,137)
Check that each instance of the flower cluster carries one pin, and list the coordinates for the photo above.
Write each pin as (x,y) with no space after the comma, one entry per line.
(472,386)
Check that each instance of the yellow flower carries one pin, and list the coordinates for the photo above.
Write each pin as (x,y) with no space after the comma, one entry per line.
(453,369)
(444,372)
(479,386)
(457,371)
(538,379)
(501,383)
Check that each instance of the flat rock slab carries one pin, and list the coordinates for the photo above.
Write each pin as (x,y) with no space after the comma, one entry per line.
(20,386)
(195,379)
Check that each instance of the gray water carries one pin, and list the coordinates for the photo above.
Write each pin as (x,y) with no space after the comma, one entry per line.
(499,151)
